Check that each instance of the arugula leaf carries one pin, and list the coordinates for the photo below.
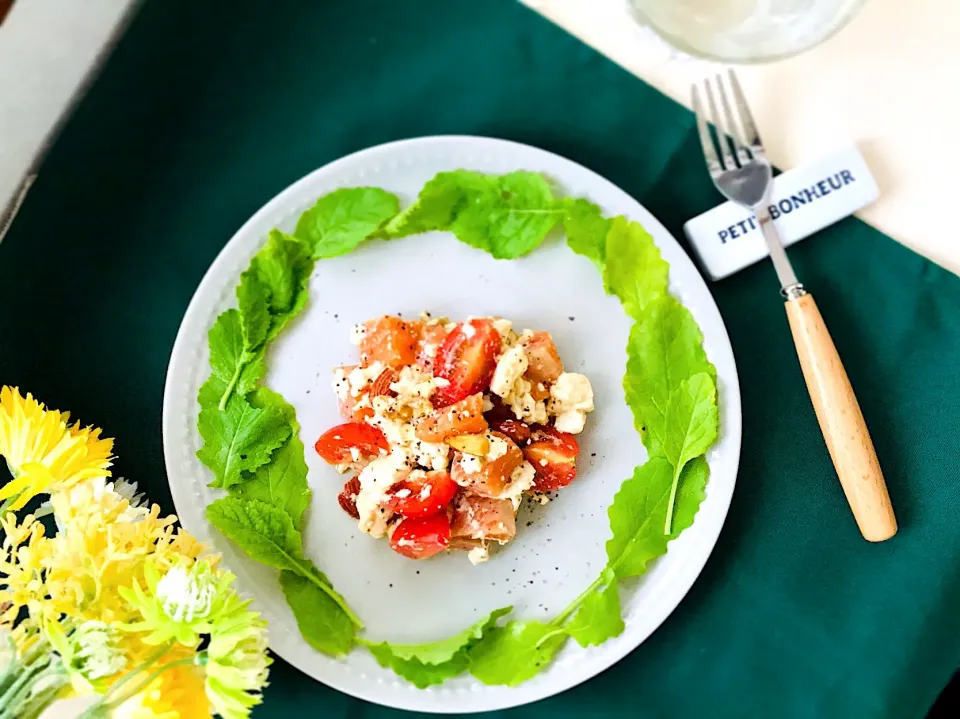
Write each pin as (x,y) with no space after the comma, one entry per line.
(509,215)
(433,662)
(586,229)
(598,618)
(665,348)
(264,532)
(283,268)
(254,303)
(692,422)
(228,359)
(638,274)
(271,291)
(322,622)
(238,439)
(505,215)
(344,218)
(639,511)
(513,653)
(282,482)
(436,205)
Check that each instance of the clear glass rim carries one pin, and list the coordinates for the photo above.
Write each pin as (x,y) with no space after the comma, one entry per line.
(684,47)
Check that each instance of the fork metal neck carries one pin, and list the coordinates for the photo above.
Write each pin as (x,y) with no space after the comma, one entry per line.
(790,287)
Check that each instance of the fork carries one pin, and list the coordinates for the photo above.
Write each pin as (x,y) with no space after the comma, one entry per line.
(740,170)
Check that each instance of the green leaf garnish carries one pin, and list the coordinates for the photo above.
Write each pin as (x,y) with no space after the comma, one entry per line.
(344,218)
(505,215)
(320,617)
(639,511)
(586,230)
(239,438)
(635,272)
(433,662)
(598,618)
(282,482)
(692,421)
(515,652)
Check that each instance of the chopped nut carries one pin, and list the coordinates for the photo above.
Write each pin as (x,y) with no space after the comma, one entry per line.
(476,444)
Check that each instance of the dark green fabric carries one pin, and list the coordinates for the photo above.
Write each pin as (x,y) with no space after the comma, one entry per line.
(209,109)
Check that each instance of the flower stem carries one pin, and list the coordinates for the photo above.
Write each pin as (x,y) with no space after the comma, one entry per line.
(116,701)
(147,663)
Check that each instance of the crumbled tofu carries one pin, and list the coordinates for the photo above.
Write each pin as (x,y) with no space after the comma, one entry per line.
(571,398)
(498,447)
(523,405)
(478,555)
(504,328)
(469,330)
(357,334)
(510,368)
(435,455)
(341,385)
(375,479)
(520,481)
(360,377)
(470,464)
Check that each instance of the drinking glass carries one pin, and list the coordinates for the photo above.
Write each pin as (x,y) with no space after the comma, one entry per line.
(745,31)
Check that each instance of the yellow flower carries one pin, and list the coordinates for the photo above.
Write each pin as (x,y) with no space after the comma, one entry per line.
(237,663)
(43,451)
(103,544)
(176,693)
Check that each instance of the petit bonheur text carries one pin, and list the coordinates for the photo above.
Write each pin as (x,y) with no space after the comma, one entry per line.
(810,194)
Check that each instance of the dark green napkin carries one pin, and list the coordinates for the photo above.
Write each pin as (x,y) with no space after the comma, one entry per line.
(209,109)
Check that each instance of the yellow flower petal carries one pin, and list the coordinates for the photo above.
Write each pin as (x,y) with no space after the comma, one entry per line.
(32,435)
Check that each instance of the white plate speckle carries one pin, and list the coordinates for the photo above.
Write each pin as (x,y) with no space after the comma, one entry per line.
(559,547)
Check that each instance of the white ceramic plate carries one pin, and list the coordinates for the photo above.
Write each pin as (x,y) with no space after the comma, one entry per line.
(559,547)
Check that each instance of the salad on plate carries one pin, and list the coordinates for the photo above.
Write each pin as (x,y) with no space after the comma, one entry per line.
(449,426)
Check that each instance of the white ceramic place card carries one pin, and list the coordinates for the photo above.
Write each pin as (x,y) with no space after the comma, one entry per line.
(805,199)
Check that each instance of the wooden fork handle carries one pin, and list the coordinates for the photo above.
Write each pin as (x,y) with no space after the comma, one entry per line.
(841,421)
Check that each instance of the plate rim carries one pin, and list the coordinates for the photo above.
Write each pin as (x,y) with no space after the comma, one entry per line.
(731,433)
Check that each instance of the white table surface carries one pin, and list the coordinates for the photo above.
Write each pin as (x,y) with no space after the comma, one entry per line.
(888,82)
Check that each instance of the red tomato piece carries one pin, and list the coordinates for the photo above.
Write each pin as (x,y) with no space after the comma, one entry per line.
(463,417)
(423,537)
(391,340)
(516,430)
(348,497)
(428,346)
(553,455)
(466,359)
(335,445)
(421,494)
(544,360)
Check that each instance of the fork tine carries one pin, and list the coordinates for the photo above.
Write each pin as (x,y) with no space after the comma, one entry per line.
(709,151)
(729,161)
(751,136)
(739,146)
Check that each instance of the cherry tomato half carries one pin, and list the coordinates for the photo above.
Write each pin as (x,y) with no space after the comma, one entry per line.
(553,455)
(421,538)
(336,444)
(422,494)
(466,359)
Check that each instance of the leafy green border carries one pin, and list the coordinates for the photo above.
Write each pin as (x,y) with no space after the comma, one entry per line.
(251,434)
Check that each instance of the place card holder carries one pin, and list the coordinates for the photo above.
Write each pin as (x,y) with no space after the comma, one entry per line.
(804,200)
